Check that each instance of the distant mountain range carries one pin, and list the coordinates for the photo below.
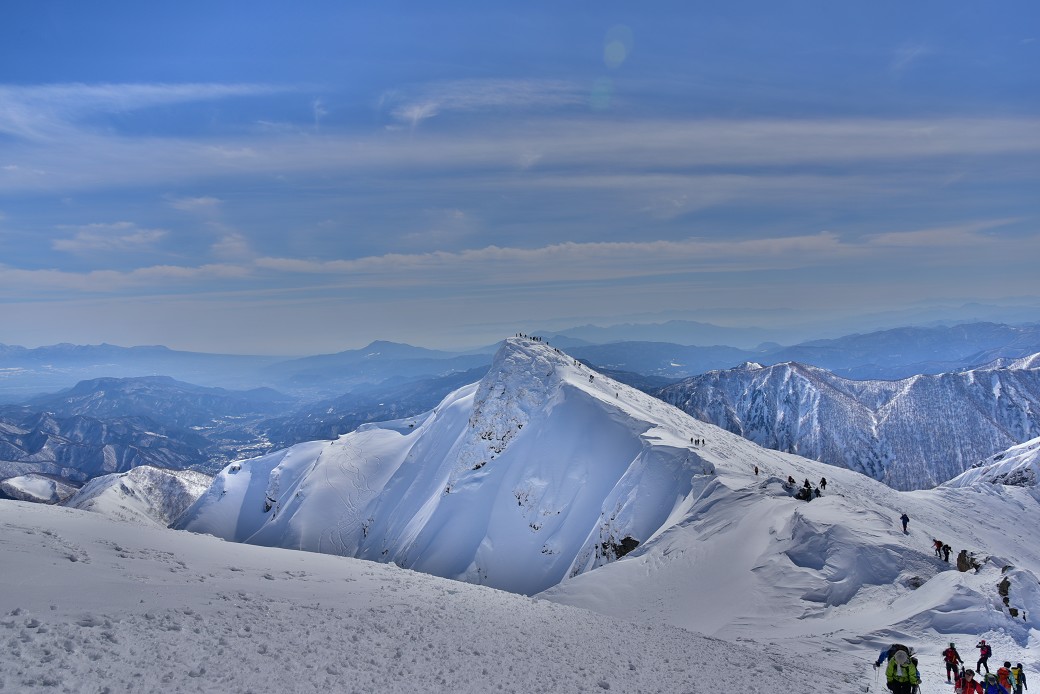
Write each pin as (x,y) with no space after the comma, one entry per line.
(79,448)
(912,433)
(887,354)
(111,424)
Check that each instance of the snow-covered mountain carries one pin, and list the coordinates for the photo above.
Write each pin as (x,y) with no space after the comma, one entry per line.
(783,587)
(79,448)
(41,489)
(1017,466)
(913,433)
(145,494)
(541,470)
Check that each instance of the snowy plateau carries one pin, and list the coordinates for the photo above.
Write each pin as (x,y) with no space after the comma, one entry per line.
(660,554)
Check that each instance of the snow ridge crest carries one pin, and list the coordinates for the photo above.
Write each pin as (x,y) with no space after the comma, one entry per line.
(524,378)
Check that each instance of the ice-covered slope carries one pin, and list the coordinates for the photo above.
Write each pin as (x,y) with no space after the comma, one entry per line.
(146,494)
(542,470)
(913,433)
(92,605)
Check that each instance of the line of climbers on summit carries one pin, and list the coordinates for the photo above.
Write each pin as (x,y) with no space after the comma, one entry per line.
(902,675)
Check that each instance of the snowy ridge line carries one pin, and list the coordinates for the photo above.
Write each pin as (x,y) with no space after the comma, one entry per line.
(874,426)
(568,468)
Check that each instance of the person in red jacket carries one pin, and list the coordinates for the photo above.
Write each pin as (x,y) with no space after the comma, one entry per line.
(985,651)
(952,657)
(1004,675)
(968,685)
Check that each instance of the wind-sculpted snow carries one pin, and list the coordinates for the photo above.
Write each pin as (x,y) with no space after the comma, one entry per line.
(911,434)
(542,470)
(836,576)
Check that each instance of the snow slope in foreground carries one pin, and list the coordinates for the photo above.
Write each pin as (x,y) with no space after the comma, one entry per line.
(89,604)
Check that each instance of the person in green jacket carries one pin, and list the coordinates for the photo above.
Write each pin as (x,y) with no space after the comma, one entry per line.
(901,674)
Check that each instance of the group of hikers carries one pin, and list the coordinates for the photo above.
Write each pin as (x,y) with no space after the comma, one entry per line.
(965,560)
(903,676)
(807,492)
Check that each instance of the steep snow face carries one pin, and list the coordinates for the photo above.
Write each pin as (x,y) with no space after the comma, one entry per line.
(542,470)
(145,494)
(873,427)
(1017,466)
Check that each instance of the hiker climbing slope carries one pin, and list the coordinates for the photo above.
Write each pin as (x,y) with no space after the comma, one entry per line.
(951,657)
(901,674)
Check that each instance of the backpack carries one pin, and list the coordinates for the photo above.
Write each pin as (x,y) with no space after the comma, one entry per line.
(986,651)
(898,647)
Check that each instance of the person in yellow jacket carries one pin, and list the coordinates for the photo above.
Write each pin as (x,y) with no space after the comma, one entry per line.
(1018,678)
(901,674)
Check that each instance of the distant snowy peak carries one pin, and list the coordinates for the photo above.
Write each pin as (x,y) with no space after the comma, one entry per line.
(145,494)
(42,489)
(1018,466)
(1029,362)
(543,469)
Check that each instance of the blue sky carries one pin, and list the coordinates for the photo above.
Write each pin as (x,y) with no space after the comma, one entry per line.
(306,179)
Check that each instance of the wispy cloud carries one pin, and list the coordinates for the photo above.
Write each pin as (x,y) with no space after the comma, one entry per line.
(42,111)
(204,204)
(906,55)
(480,95)
(945,237)
(562,145)
(116,237)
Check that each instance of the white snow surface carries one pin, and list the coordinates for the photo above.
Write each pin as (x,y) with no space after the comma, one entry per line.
(90,604)
(538,472)
(792,595)
(146,494)
(36,488)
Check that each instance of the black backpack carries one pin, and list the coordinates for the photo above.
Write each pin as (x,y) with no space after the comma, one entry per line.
(898,647)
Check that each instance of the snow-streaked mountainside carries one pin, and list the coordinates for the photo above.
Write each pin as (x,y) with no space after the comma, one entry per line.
(1017,466)
(79,448)
(145,494)
(913,433)
(88,604)
(541,470)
